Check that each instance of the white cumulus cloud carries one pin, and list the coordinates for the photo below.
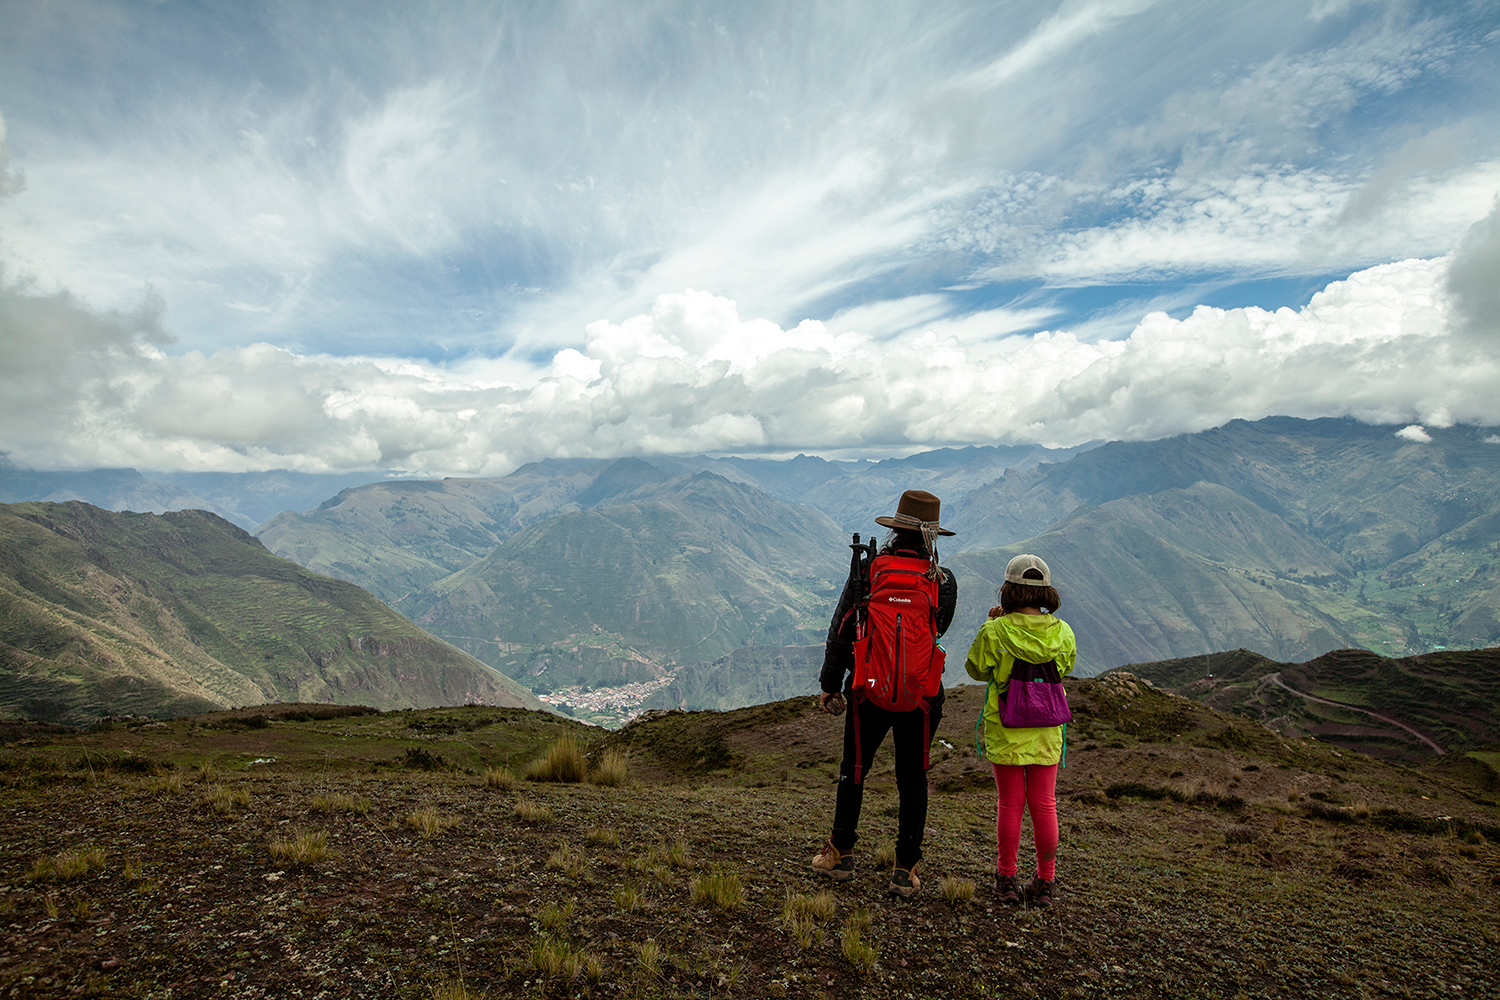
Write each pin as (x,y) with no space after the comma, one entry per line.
(692,375)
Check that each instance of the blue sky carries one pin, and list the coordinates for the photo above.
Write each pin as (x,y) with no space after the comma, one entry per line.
(449,238)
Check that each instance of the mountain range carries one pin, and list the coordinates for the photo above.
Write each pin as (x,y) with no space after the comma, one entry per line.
(107,613)
(633,581)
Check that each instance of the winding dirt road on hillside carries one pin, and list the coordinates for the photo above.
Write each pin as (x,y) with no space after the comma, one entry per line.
(1276,679)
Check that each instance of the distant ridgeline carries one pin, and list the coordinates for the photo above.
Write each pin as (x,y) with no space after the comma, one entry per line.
(607,586)
(106,614)
(1408,709)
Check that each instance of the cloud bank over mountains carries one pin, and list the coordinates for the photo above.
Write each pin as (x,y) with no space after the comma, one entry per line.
(453,239)
(692,375)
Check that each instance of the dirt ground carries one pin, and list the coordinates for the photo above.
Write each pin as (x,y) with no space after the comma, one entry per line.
(1208,861)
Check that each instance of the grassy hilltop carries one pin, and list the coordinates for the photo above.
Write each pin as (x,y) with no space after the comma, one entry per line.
(320,851)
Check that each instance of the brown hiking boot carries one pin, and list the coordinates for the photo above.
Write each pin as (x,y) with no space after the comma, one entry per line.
(1038,891)
(834,863)
(1009,889)
(904,881)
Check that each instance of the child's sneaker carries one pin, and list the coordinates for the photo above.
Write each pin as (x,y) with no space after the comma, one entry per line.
(834,863)
(904,881)
(1039,891)
(1009,889)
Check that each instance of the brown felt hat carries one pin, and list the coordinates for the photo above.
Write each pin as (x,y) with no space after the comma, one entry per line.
(916,508)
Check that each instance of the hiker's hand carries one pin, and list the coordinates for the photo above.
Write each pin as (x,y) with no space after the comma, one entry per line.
(997,612)
(833,704)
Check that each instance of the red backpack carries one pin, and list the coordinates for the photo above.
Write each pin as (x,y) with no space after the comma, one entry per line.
(897,661)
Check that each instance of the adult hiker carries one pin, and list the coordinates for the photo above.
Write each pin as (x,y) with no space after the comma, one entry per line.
(882,657)
(1023,640)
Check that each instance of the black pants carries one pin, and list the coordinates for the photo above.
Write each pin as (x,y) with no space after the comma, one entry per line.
(911,732)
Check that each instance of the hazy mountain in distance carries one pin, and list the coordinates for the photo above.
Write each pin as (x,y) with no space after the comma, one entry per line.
(686,571)
(107,613)
(247,499)
(395,538)
(1183,571)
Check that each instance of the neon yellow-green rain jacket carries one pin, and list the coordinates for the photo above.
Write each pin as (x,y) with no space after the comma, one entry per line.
(1000,642)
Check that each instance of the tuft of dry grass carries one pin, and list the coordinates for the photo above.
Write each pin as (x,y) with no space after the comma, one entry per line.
(957,890)
(603,836)
(856,950)
(722,891)
(629,899)
(223,800)
(302,848)
(570,860)
(430,822)
(886,856)
(556,959)
(67,865)
(1240,833)
(804,917)
(207,771)
(555,917)
(676,854)
(500,778)
(454,989)
(165,784)
(49,907)
(563,762)
(335,802)
(531,813)
(648,957)
(612,771)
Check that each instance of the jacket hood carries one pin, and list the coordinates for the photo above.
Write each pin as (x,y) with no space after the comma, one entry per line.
(1034,638)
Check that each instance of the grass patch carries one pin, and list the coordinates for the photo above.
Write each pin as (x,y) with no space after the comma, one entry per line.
(722,891)
(164,784)
(563,763)
(555,916)
(648,958)
(499,778)
(612,771)
(852,944)
(603,836)
(629,899)
(957,890)
(337,802)
(430,822)
(532,813)
(302,848)
(67,866)
(222,800)
(804,917)
(553,958)
(570,860)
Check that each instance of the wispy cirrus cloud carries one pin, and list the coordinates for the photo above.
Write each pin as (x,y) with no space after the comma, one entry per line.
(469,192)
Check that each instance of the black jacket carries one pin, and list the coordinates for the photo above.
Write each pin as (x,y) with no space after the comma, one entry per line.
(838,649)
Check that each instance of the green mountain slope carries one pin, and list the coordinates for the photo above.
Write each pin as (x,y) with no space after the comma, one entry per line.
(395,538)
(619,593)
(1415,527)
(1451,698)
(104,613)
(1180,571)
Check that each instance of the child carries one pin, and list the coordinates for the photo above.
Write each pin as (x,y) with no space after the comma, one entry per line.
(1025,760)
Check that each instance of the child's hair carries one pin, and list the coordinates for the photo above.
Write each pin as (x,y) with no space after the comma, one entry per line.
(1014,596)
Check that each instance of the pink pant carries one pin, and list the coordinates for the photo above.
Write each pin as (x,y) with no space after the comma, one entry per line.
(1021,786)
